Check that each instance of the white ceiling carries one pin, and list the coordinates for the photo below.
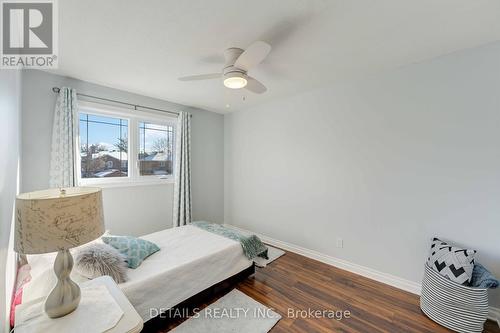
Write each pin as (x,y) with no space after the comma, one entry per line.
(144,46)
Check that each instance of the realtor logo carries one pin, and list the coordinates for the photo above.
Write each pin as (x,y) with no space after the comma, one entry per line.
(29,34)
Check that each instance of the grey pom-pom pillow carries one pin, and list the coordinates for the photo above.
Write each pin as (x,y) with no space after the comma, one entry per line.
(98,259)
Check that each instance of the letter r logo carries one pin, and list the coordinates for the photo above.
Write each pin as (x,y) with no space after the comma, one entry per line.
(27,27)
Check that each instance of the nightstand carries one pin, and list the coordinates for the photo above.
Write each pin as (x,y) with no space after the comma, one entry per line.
(129,322)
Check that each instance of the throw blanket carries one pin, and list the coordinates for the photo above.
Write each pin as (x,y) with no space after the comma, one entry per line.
(482,278)
(252,245)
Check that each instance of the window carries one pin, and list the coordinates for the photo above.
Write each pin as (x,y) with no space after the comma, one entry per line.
(118,146)
(155,149)
(103,146)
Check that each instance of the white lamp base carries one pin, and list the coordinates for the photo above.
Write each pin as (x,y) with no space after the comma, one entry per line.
(65,296)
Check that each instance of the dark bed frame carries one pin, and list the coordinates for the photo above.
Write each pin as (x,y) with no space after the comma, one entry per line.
(186,308)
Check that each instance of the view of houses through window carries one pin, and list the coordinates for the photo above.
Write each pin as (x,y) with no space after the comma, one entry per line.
(105,142)
(155,149)
(103,146)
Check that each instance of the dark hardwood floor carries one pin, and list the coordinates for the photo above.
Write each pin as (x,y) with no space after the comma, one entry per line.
(298,283)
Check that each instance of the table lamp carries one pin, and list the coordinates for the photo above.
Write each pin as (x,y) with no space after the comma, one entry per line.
(56,220)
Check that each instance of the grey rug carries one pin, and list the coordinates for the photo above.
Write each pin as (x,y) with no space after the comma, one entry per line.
(273,254)
(235,312)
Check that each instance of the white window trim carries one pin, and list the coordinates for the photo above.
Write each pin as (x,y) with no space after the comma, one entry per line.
(133,117)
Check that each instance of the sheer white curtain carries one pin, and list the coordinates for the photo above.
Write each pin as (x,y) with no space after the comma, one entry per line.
(182,171)
(64,138)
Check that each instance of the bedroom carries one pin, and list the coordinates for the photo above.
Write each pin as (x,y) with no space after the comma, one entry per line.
(344,135)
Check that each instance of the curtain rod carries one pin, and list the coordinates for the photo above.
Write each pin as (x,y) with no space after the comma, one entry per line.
(135,106)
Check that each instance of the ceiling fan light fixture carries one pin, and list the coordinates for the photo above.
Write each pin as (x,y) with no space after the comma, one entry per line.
(238,63)
(235,81)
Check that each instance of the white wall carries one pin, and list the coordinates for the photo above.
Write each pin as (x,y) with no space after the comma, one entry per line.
(10,110)
(385,163)
(132,210)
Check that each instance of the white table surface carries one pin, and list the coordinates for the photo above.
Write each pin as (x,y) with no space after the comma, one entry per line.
(130,322)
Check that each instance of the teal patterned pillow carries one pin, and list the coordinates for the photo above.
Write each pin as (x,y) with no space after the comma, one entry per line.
(134,249)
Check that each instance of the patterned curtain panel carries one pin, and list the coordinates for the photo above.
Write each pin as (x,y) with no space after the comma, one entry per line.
(64,134)
(182,172)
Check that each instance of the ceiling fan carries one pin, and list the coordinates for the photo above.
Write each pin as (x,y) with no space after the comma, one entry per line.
(238,62)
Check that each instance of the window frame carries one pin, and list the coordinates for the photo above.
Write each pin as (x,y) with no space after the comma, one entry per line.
(134,117)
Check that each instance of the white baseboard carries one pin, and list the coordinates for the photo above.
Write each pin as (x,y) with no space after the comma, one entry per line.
(392,280)
(389,279)
(494,315)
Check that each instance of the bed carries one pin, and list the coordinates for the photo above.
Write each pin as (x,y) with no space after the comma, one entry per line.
(190,261)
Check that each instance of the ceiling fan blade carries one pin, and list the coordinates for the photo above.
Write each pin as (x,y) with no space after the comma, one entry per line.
(255,86)
(253,55)
(201,77)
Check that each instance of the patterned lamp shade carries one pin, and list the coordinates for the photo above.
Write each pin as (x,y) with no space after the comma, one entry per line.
(58,219)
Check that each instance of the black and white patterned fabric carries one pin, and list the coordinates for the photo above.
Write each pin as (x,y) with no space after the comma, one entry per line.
(460,308)
(452,262)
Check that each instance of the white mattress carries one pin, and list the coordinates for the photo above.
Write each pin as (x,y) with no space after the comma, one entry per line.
(189,261)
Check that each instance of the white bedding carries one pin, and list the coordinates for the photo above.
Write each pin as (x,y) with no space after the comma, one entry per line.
(189,261)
